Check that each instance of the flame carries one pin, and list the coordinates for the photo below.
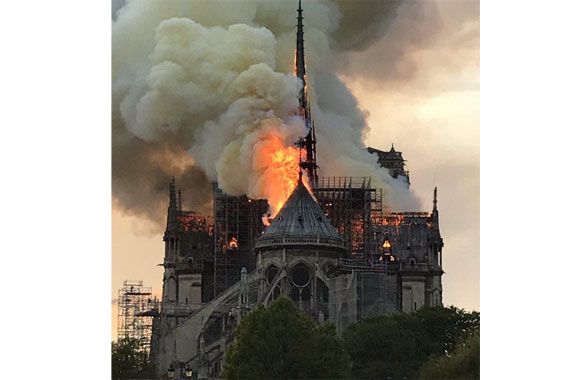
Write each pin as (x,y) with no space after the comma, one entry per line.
(393,220)
(280,166)
(233,243)
(295,63)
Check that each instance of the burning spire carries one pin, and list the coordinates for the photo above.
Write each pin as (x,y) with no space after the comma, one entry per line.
(310,141)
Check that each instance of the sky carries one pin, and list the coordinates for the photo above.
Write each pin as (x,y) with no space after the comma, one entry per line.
(420,87)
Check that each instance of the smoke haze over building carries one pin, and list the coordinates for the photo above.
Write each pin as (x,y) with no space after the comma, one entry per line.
(412,65)
(201,90)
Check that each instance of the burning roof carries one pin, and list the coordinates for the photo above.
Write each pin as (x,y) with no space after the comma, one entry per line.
(300,221)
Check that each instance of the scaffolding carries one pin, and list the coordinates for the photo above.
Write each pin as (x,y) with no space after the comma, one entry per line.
(406,231)
(349,203)
(135,320)
(238,222)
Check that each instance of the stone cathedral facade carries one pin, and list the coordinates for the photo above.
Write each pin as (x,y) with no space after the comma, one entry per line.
(332,249)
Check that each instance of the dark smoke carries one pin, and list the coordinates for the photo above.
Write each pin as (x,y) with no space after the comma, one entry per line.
(364,22)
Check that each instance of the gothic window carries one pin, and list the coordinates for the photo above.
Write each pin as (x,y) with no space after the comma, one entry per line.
(300,281)
(300,294)
(300,276)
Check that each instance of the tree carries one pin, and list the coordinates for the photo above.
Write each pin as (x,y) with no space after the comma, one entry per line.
(383,347)
(397,345)
(463,363)
(281,342)
(129,360)
(442,328)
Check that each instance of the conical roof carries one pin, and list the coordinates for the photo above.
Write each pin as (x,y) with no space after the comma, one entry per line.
(301,222)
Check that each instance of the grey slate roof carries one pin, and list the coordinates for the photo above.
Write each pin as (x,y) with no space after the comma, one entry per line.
(300,222)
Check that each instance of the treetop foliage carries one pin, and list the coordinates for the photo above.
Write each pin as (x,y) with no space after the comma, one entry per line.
(281,342)
(462,363)
(397,345)
(129,360)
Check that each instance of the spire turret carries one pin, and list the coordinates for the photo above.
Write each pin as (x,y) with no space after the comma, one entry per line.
(173,207)
(172,193)
(435,198)
(435,213)
(310,141)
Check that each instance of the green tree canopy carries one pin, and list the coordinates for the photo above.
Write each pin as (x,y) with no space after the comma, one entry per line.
(280,342)
(463,363)
(396,346)
(129,360)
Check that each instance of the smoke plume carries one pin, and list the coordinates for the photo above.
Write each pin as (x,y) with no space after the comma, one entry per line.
(204,91)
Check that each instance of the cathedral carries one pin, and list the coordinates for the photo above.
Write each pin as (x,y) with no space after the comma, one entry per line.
(332,249)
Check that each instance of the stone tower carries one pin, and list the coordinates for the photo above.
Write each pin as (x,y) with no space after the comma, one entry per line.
(171,240)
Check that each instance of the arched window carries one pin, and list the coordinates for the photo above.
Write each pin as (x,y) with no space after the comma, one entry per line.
(300,276)
(300,281)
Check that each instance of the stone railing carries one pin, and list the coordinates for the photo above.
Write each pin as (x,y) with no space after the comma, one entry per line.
(309,240)
(418,267)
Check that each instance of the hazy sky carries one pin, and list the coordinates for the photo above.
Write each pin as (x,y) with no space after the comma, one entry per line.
(427,105)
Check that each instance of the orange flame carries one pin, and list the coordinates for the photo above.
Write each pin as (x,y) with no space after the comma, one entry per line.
(233,243)
(280,165)
(295,63)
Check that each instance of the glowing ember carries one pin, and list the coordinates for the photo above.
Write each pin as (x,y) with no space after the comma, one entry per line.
(393,220)
(295,63)
(233,243)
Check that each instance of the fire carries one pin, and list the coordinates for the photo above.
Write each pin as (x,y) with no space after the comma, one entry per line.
(280,166)
(295,63)
(393,220)
(284,165)
(233,243)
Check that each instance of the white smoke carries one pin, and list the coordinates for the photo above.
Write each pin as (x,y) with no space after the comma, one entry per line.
(213,79)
